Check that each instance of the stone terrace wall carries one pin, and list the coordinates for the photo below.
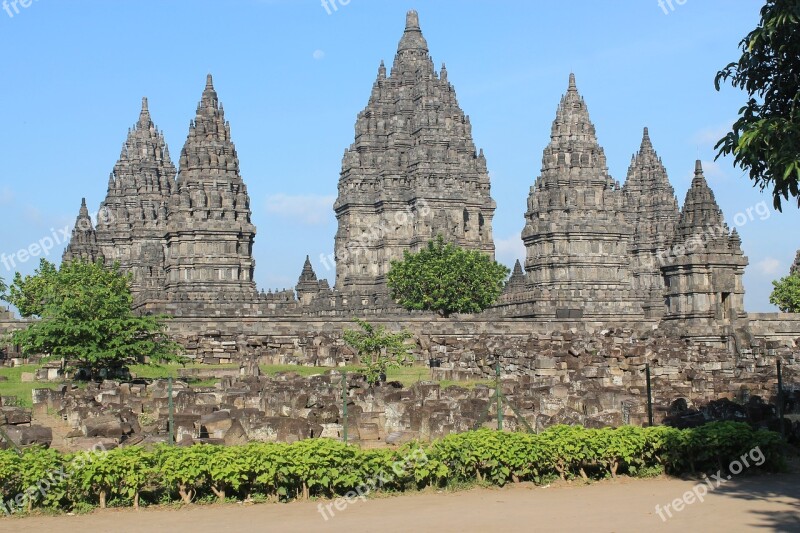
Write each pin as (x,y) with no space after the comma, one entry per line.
(318,341)
(784,327)
(579,363)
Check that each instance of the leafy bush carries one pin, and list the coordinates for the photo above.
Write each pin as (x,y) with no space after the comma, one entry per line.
(328,468)
(446,279)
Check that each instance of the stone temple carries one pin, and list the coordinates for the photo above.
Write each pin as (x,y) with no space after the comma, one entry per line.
(602,258)
(595,250)
(615,276)
(413,172)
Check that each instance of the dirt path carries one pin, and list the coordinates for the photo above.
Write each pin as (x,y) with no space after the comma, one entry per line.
(768,503)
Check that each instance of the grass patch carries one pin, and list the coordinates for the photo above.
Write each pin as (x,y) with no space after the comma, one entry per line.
(408,376)
(15,387)
(305,371)
(171,371)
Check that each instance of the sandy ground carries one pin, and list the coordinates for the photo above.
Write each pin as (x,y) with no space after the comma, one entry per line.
(767,503)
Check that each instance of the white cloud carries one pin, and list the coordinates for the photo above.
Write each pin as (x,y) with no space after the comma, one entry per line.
(769,266)
(711,135)
(509,250)
(318,54)
(310,210)
(711,170)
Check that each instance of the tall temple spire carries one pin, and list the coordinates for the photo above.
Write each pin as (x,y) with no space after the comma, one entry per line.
(413,172)
(576,235)
(700,209)
(132,220)
(705,267)
(210,236)
(572,125)
(652,210)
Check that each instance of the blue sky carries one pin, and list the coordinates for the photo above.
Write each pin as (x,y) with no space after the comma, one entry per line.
(292,79)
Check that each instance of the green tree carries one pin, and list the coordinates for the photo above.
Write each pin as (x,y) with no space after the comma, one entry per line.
(29,294)
(446,279)
(378,349)
(786,294)
(765,140)
(85,316)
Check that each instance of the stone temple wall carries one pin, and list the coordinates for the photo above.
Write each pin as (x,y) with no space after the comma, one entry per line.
(556,371)
(569,358)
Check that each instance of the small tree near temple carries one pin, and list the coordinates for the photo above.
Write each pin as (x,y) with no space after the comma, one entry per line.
(446,279)
(85,316)
(786,294)
(378,349)
(765,140)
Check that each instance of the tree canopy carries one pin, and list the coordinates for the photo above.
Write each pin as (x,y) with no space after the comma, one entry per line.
(378,348)
(765,140)
(786,294)
(446,279)
(85,316)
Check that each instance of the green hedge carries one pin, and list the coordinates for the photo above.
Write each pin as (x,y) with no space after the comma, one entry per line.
(327,468)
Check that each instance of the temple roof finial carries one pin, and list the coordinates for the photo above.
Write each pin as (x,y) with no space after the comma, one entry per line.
(572,84)
(412,20)
(647,144)
(412,37)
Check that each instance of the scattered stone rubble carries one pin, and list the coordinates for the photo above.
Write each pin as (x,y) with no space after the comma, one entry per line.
(595,381)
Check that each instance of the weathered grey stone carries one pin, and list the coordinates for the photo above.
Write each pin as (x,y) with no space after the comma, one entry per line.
(103,426)
(27,435)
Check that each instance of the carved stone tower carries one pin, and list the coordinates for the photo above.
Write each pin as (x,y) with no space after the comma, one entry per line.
(795,268)
(652,211)
(83,243)
(132,221)
(705,295)
(413,172)
(210,236)
(308,285)
(576,234)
